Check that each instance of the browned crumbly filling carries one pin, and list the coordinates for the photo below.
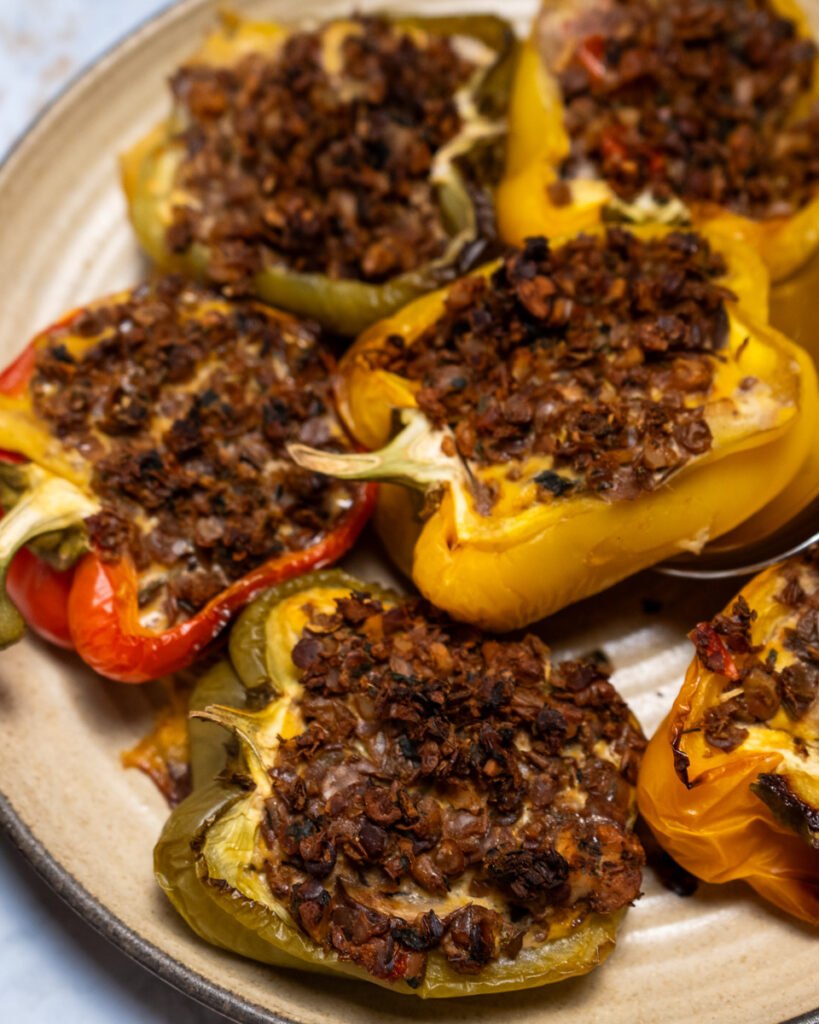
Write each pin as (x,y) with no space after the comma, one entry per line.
(754,689)
(290,165)
(440,767)
(184,413)
(599,352)
(695,98)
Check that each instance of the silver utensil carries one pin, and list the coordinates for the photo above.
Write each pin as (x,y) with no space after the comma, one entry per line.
(792,538)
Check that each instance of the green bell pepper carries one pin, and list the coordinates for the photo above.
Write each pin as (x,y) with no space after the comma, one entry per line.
(463,174)
(216,859)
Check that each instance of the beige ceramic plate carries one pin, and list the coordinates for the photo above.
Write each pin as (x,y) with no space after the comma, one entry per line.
(89,826)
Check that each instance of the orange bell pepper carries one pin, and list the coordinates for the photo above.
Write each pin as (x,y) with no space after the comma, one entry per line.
(730,781)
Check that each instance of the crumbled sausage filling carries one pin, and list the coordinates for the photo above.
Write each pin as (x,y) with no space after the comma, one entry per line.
(324,172)
(695,99)
(757,686)
(599,353)
(184,407)
(449,792)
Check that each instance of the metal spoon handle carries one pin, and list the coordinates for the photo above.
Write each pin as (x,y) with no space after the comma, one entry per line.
(797,535)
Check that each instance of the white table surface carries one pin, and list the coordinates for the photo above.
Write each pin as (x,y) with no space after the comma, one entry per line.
(53,967)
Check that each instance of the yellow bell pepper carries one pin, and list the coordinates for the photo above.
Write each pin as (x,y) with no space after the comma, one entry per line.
(538,144)
(730,781)
(528,556)
(792,312)
(793,306)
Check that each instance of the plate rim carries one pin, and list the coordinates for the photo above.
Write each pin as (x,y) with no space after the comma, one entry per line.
(47,867)
(106,923)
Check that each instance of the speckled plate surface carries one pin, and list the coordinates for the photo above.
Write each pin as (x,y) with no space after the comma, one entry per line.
(89,827)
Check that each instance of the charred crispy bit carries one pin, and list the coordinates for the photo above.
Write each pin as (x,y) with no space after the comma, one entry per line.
(787,805)
(322,172)
(448,792)
(183,406)
(720,727)
(695,99)
(599,353)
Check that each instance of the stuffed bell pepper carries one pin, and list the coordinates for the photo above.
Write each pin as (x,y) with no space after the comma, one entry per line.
(410,802)
(730,781)
(572,414)
(146,465)
(669,111)
(337,172)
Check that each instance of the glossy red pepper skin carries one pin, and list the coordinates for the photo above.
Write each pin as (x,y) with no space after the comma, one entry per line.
(103,610)
(93,607)
(591,54)
(41,594)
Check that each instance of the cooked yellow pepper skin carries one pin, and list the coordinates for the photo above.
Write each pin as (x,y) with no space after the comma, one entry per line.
(538,144)
(149,171)
(711,809)
(793,305)
(526,560)
(201,859)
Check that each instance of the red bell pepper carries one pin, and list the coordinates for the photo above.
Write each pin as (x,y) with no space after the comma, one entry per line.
(591,54)
(92,606)
(103,612)
(40,593)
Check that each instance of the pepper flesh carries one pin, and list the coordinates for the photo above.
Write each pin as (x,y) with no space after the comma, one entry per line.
(38,590)
(526,559)
(207,860)
(538,144)
(748,812)
(93,605)
(347,305)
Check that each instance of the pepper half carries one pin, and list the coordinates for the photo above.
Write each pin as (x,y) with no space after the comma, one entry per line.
(504,540)
(730,781)
(411,803)
(273,207)
(159,498)
(571,38)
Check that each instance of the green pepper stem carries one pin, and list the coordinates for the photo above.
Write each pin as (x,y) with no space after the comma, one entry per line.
(47,504)
(414,458)
(256,731)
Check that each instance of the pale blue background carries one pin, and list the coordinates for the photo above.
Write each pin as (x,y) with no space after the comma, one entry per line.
(53,968)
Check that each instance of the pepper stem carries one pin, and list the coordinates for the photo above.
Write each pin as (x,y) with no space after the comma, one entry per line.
(414,458)
(48,504)
(257,731)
